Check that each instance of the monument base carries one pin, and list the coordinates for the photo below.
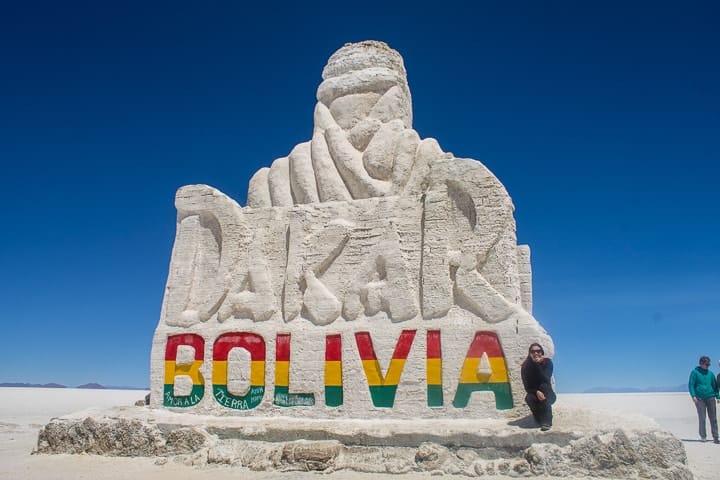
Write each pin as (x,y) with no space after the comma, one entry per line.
(581,443)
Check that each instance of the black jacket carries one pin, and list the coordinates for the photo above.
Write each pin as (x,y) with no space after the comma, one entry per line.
(538,376)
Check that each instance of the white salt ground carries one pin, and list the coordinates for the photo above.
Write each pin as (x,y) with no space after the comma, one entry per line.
(23,411)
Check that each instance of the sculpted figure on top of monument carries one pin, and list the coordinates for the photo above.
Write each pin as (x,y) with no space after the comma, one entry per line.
(364,238)
(363,143)
(446,235)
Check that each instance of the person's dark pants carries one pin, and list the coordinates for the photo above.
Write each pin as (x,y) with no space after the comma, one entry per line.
(541,410)
(704,405)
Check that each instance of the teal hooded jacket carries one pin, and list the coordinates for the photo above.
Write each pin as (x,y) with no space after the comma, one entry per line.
(703,383)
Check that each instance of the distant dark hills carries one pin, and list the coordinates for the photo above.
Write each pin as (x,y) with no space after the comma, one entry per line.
(33,385)
(677,388)
(92,386)
(88,386)
(97,386)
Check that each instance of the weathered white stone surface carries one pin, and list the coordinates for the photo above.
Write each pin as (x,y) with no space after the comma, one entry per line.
(364,228)
(583,443)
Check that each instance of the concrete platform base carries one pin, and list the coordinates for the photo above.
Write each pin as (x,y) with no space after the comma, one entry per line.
(581,443)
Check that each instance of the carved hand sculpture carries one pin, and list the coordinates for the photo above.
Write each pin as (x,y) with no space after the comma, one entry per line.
(363,143)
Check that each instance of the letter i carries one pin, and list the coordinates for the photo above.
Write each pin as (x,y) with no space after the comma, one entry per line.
(434,369)
(333,371)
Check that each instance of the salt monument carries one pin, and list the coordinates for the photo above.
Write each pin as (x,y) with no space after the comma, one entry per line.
(368,310)
(370,275)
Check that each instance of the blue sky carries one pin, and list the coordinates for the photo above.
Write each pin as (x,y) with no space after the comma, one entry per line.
(602,121)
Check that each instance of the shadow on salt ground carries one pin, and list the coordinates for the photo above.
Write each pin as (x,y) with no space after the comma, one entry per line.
(695,440)
(525,422)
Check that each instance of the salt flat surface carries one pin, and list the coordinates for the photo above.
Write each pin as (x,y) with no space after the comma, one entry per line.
(24,410)
(673,411)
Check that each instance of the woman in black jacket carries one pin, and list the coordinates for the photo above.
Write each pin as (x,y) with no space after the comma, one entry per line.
(537,374)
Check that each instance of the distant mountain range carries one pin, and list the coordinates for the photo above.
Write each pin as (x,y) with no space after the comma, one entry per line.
(89,386)
(97,386)
(33,385)
(677,388)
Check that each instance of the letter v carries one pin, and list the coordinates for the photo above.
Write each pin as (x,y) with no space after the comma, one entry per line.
(383,388)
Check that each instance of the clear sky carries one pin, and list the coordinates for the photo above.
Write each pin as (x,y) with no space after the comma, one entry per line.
(602,121)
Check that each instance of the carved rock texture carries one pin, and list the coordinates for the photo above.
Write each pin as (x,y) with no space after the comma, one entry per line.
(573,449)
(365,227)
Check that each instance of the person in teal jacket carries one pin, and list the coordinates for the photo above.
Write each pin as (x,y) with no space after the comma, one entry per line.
(703,388)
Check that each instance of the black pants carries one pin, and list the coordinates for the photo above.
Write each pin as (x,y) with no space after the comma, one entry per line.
(541,411)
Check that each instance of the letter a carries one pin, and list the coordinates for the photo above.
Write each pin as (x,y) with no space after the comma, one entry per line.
(485,351)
